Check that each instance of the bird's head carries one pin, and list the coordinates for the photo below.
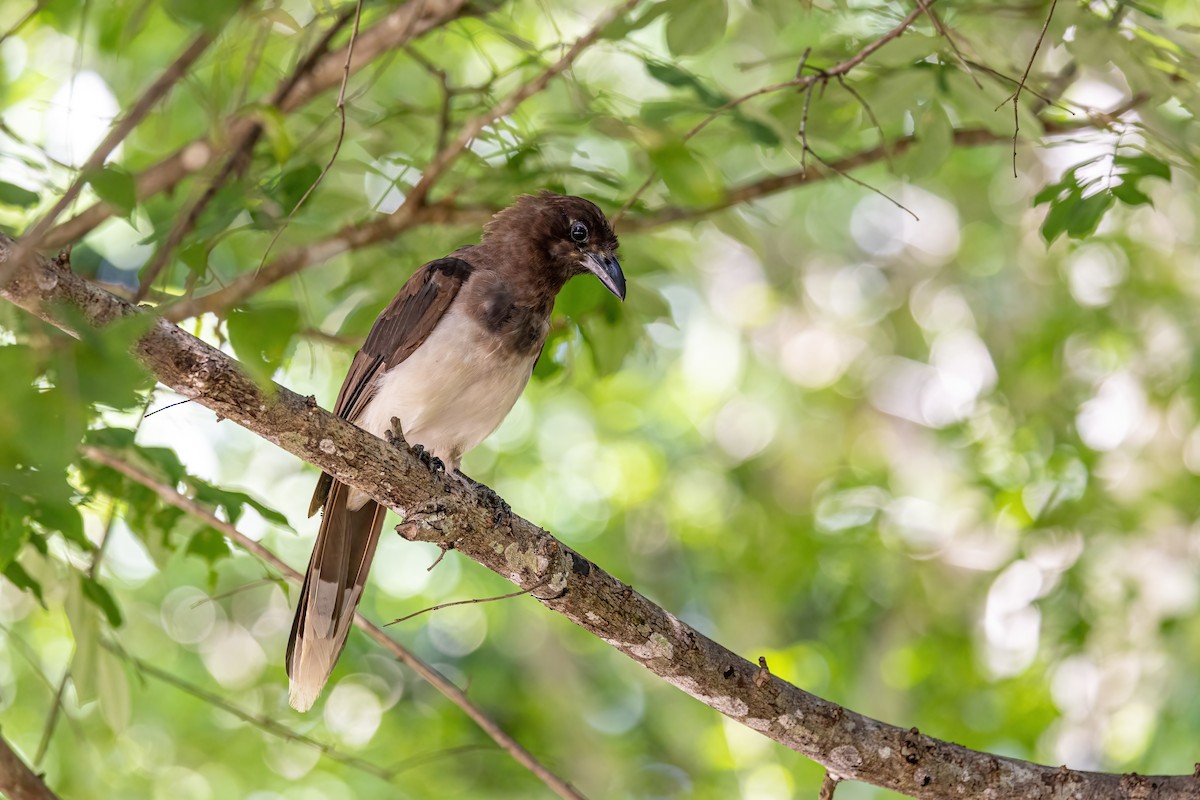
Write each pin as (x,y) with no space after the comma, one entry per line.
(570,234)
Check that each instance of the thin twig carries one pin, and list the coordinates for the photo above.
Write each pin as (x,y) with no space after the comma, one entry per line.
(801,82)
(828,787)
(945,32)
(337,147)
(472,601)
(1016,95)
(871,116)
(447,155)
(864,185)
(455,695)
(261,721)
(31,241)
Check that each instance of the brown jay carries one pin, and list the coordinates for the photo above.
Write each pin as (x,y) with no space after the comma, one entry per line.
(448,357)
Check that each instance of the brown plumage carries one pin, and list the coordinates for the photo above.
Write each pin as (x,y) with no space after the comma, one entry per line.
(448,356)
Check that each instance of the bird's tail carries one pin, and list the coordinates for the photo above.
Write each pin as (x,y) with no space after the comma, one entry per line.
(332,588)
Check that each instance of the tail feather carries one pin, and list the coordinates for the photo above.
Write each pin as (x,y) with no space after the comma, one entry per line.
(333,585)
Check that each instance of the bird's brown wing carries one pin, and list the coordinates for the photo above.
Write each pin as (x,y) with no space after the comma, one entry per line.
(398,331)
(346,541)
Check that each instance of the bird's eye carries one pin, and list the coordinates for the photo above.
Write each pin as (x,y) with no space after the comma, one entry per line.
(579,232)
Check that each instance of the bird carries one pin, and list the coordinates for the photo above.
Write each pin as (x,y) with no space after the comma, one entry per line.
(448,358)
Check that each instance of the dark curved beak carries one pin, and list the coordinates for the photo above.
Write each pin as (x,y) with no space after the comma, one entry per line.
(606,267)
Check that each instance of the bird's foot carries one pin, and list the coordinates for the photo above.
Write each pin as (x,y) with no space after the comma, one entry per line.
(502,510)
(435,464)
(395,437)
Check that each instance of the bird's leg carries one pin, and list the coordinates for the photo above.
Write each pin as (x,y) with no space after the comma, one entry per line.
(395,437)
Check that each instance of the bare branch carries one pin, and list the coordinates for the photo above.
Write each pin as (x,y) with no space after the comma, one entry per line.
(803,83)
(17,780)
(261,721)
(1016,95)
(337,147)
(455,695)
(379,229)
(945,32)
(442,161)
(828,787)
(472,601)
(852,746)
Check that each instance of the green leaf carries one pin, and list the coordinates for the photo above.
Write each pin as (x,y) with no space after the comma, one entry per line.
(56,515)
(99,367)
(673,75)
(210,545)
(1060,211)
(208,13)
(1129,194)
(1143,165)
(695,25)
(689,181)
(115,186)
(85,628)
(274,125)
(1084,214)
(1052,192)
(233,503)
(293,184)
(13,532)
(260,336)
(13,195)
(102,599)
(21,579)
(935,143)
(112,684)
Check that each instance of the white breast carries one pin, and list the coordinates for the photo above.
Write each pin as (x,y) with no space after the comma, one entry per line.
(452,392)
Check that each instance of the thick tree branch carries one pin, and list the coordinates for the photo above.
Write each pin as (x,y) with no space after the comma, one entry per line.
(314,75)
(17,780)
(455,695)
(851,746)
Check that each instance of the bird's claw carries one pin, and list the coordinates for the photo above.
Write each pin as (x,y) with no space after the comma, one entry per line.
(501,507)
(395,437)
(435,464)
(497,503)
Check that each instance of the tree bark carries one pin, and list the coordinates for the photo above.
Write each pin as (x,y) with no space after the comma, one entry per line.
(17,780)
(850,746)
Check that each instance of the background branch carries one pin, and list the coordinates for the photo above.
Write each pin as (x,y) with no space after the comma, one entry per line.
(451,692)
(381,229)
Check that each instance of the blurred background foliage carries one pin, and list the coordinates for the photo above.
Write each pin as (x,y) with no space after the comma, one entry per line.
(930,449)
